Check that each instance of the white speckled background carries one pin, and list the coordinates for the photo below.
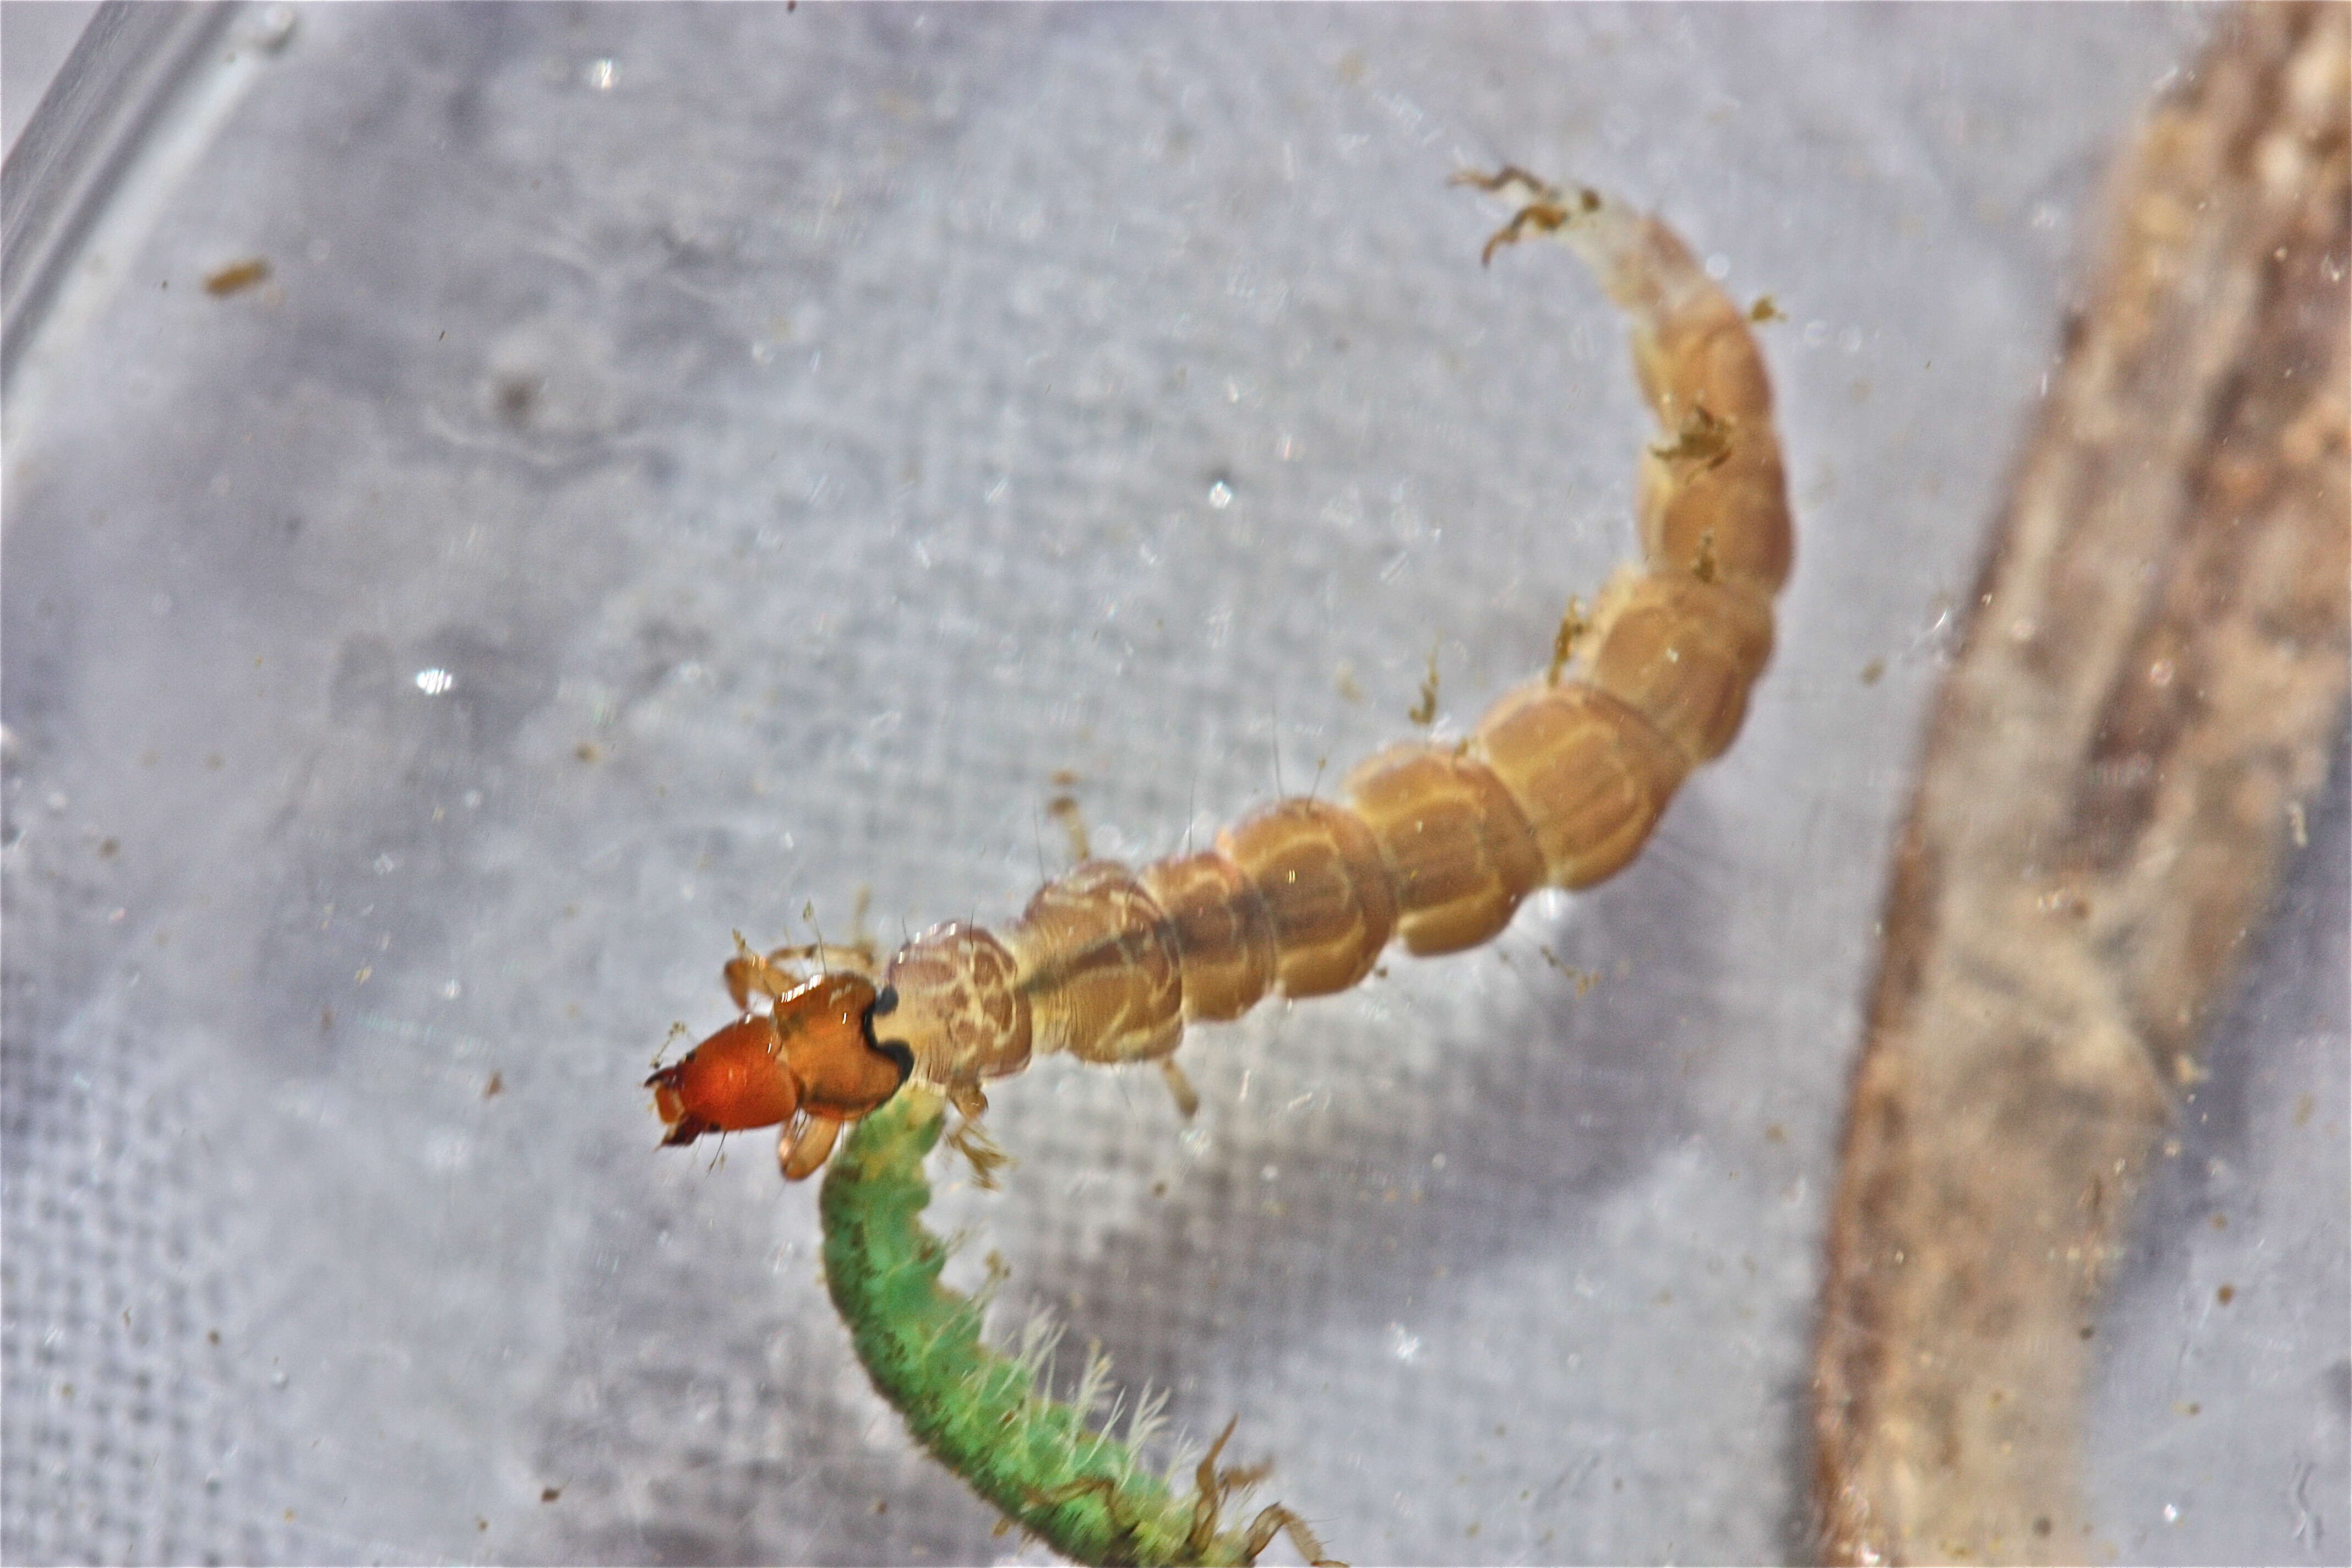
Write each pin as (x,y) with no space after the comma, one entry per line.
(796,437)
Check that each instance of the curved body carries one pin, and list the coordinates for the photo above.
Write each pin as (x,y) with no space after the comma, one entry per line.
(1431,845)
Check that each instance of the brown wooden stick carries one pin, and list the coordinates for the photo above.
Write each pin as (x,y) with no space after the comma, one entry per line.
(2152,680)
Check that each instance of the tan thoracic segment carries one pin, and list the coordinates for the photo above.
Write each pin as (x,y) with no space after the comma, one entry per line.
(1558,786)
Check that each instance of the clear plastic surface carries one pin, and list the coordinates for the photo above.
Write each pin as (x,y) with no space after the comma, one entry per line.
(686,466)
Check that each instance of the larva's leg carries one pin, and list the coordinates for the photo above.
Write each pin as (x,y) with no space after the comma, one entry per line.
(800,1152)
(748,974)
(1273,1520)
(856,957)
(1704,442)
(970,1140)
(1542,216)
(1542,207)
(779,970)
(1188,1099)
(1565,638)
(1512,180)
(1104,1490)
(1213,1487)
(1208,1493)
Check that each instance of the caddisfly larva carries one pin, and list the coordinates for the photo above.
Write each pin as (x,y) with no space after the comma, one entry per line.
(1433,846)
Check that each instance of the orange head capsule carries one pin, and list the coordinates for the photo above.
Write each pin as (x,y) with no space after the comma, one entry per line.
(735,1080)
(814,1052)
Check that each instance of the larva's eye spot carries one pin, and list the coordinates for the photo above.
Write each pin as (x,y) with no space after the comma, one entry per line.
(886,1001)
(900,1053)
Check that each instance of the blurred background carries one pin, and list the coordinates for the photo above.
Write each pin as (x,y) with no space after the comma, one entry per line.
(496,498)
(38,38)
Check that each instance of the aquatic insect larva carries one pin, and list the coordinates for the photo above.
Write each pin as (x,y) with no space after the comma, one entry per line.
(1433,846)
(1055,1468)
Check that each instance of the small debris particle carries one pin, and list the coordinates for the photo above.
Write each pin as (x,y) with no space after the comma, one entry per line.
(2226,1294)
(236,278)
(1872,671)
(1764,310)
(496,1087)
(548,1494)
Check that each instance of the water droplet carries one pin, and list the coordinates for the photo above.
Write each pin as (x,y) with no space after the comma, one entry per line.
(1405,1346)
(1221,495)
(603,73)
(2171,1514)
(434,682)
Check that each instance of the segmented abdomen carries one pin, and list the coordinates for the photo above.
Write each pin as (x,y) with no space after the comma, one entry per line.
(1434,844)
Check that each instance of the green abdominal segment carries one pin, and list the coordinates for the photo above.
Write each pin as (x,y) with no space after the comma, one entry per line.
(980,1411)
